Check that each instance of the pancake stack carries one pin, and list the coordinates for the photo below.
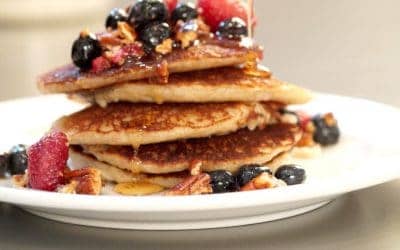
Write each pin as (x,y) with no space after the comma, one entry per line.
(146,130)
(165,116)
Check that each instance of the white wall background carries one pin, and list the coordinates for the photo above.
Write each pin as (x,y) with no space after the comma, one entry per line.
(349,47)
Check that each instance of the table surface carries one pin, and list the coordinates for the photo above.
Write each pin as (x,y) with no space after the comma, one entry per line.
(367,219)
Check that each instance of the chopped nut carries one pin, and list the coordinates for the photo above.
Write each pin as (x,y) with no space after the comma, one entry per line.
(84,33)
(165,47)
(20,180)
(186,38)
(306,140)
(127,33)
(263,181)
(195,167)
(198,184)
(88,180)
(69,188)
(109,40)
(330,120)
(137,188)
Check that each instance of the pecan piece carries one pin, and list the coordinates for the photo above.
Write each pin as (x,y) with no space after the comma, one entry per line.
(263,181)
(198,184)
(83,181)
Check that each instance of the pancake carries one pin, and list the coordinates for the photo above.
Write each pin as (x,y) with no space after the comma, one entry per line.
(113,174)
(227,152)
(137,124)
(213,85)
(203,56)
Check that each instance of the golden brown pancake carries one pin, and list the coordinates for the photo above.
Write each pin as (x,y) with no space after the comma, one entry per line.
(137,124)
(113,174)
(227,152)
(213,85)
(203,56)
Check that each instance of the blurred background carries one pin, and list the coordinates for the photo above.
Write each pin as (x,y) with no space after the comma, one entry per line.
(349,47)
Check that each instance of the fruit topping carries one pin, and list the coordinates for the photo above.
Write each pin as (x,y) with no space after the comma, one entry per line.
(248,172)
(222,181)
(232,28)
(326,129)
(116,15)
(100,64)
(145,12)
(291,174)
(85,49)
(214,12)
(184,12)
(171,4)
(4,165)
(47,160)
(154,34)
(18,160)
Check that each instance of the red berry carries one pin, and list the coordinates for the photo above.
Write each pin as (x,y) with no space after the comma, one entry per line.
(304,119)
(216,11)
(171,4)
(47,160)
(100,64)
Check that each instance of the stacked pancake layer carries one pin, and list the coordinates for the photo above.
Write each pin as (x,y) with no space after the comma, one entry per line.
(210,113)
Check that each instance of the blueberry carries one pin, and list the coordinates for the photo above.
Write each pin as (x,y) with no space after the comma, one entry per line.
(18,160)
(147,11)
(184,12)
(4,164)
(326,134)
(248,172)
(233,28)
(84,50)
(116,15)
(154,34)
(291,174)
(222,181)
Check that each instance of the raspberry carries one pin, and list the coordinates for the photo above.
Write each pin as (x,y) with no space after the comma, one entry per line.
(304,119)
(214,12)
(47,160)
(100,64)
(171,4)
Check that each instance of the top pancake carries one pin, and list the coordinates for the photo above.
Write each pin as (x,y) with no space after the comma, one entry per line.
(137,123)
(203,56)
(226,84)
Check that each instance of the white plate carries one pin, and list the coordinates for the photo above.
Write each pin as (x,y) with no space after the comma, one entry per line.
(367,155)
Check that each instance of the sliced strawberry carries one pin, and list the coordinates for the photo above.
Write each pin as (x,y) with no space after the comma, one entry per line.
(171,4)
(47,160)
(216,11)
(100,64)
